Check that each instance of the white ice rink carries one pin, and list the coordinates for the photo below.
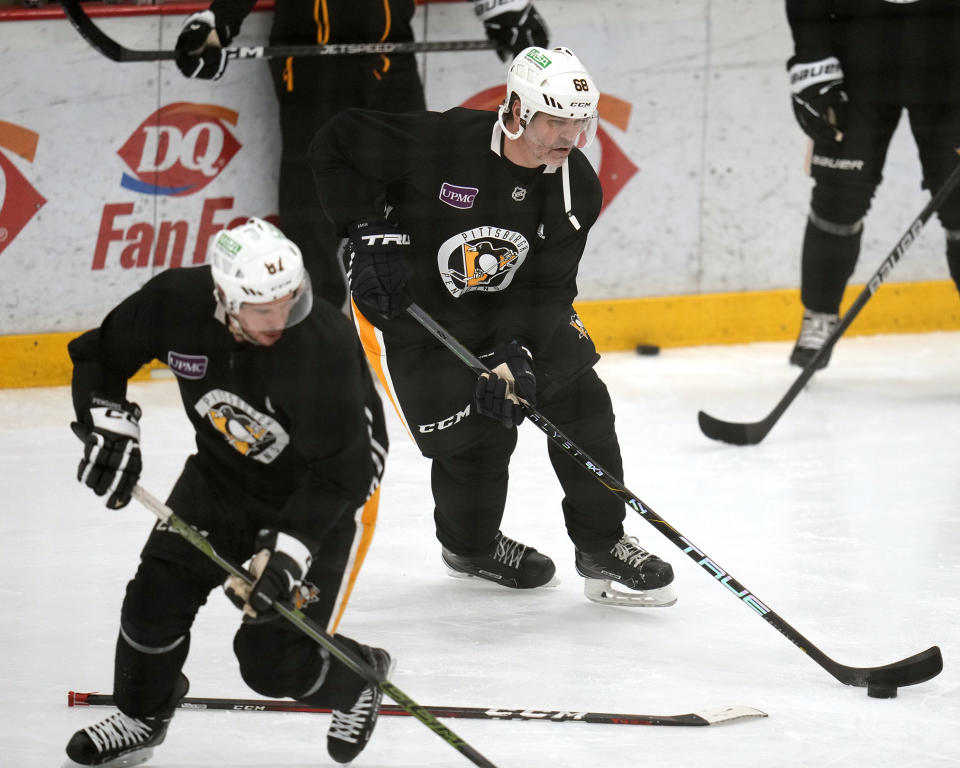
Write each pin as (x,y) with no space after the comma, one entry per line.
(845,520)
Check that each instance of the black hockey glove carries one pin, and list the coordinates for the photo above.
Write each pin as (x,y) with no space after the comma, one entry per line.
(199,47)
(513,25)
(111,455)
(819,100)
(500,396)
(278,567)
(377,268)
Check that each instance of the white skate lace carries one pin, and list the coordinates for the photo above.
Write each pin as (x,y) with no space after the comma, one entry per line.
(817,326)
(347,726)
(118,731)
(509,552)
(628,550)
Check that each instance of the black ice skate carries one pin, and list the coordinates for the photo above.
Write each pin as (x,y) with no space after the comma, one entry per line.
(817,326)
(350,731)
(511,564)
(120,741)
(647,576)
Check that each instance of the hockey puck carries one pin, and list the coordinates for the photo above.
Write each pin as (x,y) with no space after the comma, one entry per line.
(882,691)
(648,349)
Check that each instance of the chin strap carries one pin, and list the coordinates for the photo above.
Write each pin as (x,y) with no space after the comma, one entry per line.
(567,202)
(503,126)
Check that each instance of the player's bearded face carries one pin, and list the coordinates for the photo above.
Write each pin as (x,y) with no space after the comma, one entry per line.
(550,139)
(264,323)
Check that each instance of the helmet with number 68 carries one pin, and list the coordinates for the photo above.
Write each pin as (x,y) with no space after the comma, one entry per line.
(555,82)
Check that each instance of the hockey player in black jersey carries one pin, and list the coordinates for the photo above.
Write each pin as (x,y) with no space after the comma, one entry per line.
(312,89)
(291,445)
(482,220)
(857,65)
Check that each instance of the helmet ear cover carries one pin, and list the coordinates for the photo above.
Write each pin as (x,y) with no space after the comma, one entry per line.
(554,82)
(255,263)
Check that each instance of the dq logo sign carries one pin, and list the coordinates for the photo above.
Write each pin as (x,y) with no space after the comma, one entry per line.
(179,149)
(615,167)
(19,201)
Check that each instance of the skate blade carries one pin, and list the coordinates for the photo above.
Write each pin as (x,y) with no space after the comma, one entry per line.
(493,578)
(136,757)
(603,591)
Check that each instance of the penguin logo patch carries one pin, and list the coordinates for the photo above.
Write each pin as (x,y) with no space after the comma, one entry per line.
(577,324)
(481,259)
(248,431)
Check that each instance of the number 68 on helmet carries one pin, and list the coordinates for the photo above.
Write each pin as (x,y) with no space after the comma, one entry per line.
(554,82)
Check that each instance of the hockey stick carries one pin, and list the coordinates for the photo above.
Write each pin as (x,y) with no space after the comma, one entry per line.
(751,433)
(312,629)
(880,682)
(110,48)
(712,716)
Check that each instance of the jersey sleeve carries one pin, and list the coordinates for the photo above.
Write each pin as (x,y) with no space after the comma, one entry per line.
(359,153)
(231,13)
(106,357)
(810,23)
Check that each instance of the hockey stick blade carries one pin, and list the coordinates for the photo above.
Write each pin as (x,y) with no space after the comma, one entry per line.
(915,669)
(711,716)
(751,433)
(103,43)
(885,679)
(733,432)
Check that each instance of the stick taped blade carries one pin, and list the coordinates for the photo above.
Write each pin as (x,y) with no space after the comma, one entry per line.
(717,715)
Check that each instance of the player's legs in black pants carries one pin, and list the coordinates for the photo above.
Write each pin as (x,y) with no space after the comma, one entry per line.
(582,410)
(936,129)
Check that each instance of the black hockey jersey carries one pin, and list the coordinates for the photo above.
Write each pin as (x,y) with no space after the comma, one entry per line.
(284,423)
(312,22)
(495,253)
(892,51)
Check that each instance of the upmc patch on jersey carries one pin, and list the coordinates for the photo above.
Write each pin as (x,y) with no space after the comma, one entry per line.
(481,259)
(187,366)
(458,197)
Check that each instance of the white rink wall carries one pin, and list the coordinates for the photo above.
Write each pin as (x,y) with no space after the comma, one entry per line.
(704,177)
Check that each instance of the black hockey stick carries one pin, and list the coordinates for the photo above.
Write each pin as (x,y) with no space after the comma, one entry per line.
(751,433)
(881,682)
(712,716)
(110,48)
(312,629)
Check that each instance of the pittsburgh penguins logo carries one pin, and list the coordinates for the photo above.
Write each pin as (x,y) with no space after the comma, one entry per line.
(577,324)
(481,259)
(248,431)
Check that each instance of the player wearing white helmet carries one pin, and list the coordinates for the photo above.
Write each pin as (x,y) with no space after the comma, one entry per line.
(482,219)
(290,448)
(260,281)
(556,84)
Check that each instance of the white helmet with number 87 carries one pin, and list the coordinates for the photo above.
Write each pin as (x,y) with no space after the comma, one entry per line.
(554,82)
(255,267)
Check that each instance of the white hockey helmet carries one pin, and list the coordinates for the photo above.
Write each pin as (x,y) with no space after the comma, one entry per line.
(256,264)
(555,82)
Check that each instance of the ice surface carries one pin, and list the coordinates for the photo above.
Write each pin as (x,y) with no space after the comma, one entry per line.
(844,520)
